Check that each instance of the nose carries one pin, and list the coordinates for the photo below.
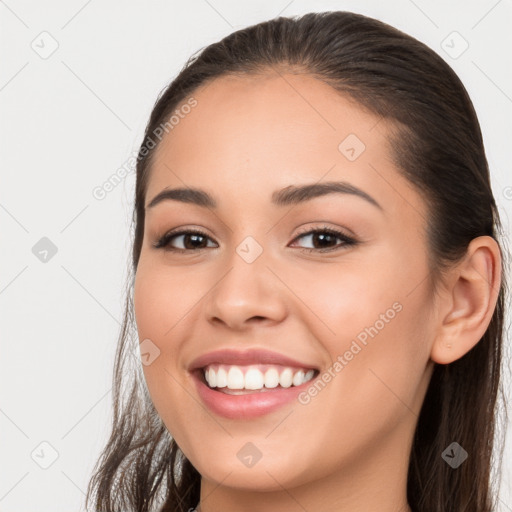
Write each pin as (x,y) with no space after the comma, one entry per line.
(247,293)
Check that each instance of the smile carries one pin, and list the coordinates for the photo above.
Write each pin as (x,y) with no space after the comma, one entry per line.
(245,384)
(237,379)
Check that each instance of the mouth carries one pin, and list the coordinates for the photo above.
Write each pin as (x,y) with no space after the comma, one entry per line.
(245,384)
(254,378)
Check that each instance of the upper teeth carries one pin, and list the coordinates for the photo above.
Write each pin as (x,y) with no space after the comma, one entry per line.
(255,376)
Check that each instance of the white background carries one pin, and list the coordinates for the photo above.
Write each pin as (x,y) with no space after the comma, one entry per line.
(68,122)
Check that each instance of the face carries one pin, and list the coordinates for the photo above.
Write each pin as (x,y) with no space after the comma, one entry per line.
(263,284)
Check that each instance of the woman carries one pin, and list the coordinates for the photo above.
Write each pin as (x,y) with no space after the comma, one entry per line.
(318,283)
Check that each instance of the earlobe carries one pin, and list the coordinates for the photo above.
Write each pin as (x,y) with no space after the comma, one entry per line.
(467,306)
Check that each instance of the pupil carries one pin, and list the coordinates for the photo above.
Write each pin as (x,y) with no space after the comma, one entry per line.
(194,238)
(322,236)
(198,240)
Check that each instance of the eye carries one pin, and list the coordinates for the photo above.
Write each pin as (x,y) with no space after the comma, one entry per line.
(191,239)
(194,240)
(325,237)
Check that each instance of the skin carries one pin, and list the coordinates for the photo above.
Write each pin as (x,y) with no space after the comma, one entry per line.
(348,448)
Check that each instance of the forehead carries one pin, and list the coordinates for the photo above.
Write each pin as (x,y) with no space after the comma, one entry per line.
(252,134)
(270,116)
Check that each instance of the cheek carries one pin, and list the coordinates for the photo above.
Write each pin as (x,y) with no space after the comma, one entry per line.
(162,298)
(375,382)
(374,320)
(156,312)
(382,342)
(343,298)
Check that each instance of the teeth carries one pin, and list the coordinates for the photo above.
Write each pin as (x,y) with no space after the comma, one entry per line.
(222,378)
(298,378)
(235,378)
(286,378)
(271,378)
(212,378)
(255,377)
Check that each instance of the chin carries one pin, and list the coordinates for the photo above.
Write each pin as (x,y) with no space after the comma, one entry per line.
(263,476)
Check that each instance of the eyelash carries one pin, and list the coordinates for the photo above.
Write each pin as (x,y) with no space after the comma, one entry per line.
(164,241)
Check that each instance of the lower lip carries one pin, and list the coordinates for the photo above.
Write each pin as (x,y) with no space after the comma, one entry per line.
(247,406)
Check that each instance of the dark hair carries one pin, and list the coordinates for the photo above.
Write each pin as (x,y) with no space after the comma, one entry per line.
(437,145)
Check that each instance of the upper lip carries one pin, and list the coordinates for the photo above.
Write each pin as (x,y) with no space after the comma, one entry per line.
(246,357)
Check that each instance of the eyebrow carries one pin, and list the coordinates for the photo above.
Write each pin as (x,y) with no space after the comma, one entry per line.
(290,195)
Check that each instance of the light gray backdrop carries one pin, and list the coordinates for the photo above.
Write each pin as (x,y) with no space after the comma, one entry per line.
(77,83)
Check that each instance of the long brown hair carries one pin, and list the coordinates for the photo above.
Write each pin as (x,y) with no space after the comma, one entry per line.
(438,147)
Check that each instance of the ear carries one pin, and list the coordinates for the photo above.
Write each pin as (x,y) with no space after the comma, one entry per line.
(468,302)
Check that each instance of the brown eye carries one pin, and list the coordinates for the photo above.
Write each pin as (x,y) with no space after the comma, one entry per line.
(324,240)
(189,240)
